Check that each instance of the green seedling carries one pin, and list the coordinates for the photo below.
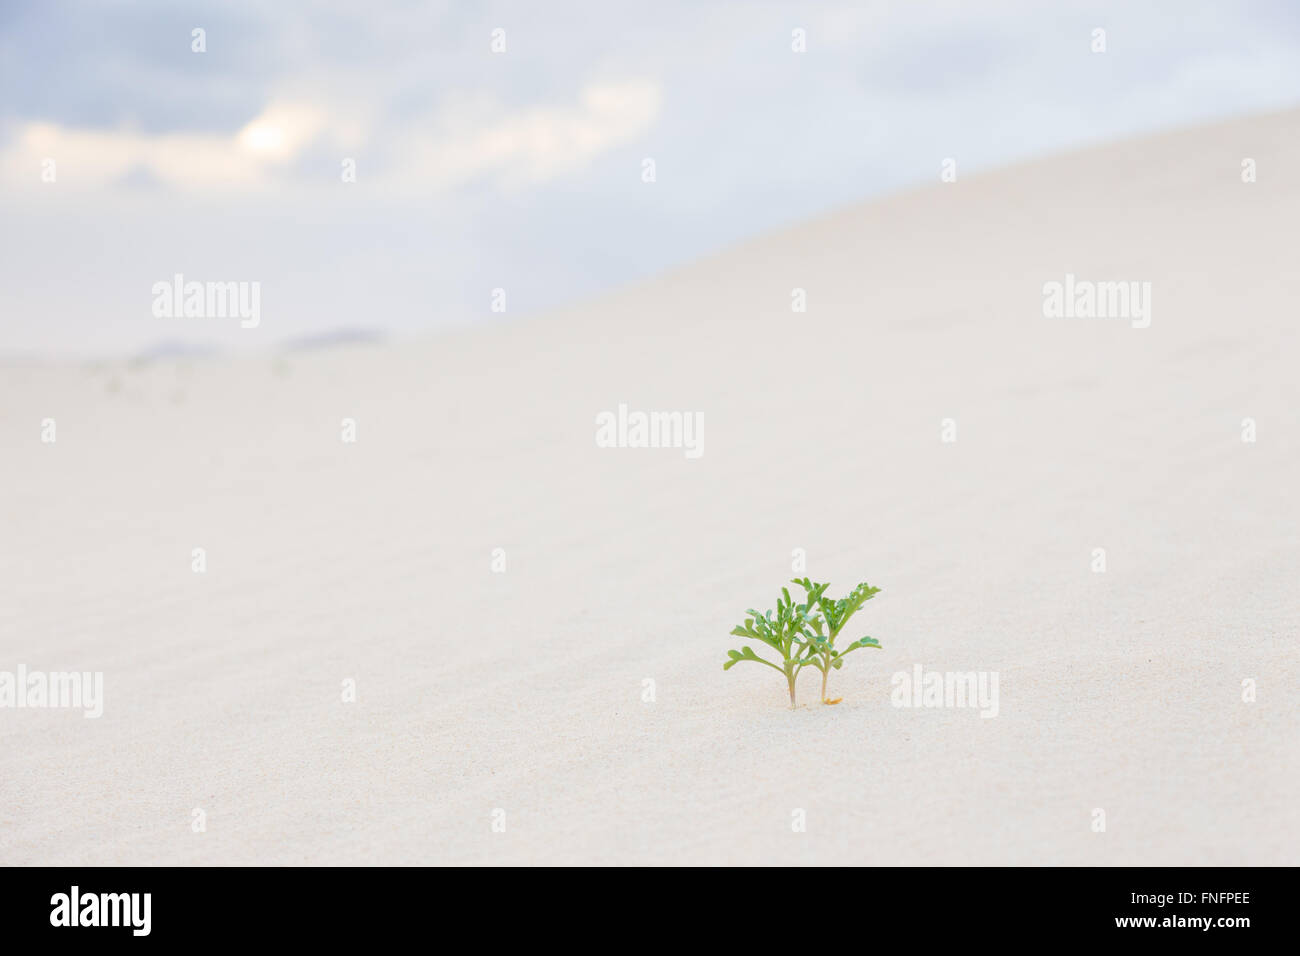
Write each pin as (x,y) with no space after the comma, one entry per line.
(804,634)
(820,651)
(787,634)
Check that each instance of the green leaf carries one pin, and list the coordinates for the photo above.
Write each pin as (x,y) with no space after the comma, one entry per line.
(746,654)
(803,634)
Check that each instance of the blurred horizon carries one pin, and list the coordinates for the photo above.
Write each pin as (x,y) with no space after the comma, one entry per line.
(521,169)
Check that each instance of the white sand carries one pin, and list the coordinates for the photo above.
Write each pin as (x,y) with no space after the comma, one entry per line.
(522,691)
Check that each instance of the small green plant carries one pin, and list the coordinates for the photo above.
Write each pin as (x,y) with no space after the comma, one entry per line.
(804,634)
(787,634)
(821,652)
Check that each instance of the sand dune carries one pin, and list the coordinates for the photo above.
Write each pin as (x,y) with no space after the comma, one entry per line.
(522,691)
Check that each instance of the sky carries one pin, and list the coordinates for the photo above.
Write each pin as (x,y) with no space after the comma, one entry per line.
(504,145)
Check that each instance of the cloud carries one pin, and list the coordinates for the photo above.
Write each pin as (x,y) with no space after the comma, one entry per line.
(463,143)
(90,158)
(532,145)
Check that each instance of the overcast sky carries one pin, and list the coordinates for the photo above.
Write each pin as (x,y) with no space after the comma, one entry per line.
(523,169)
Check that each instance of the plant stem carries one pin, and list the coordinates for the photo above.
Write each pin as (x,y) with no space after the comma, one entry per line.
(826,659)
(789,676)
